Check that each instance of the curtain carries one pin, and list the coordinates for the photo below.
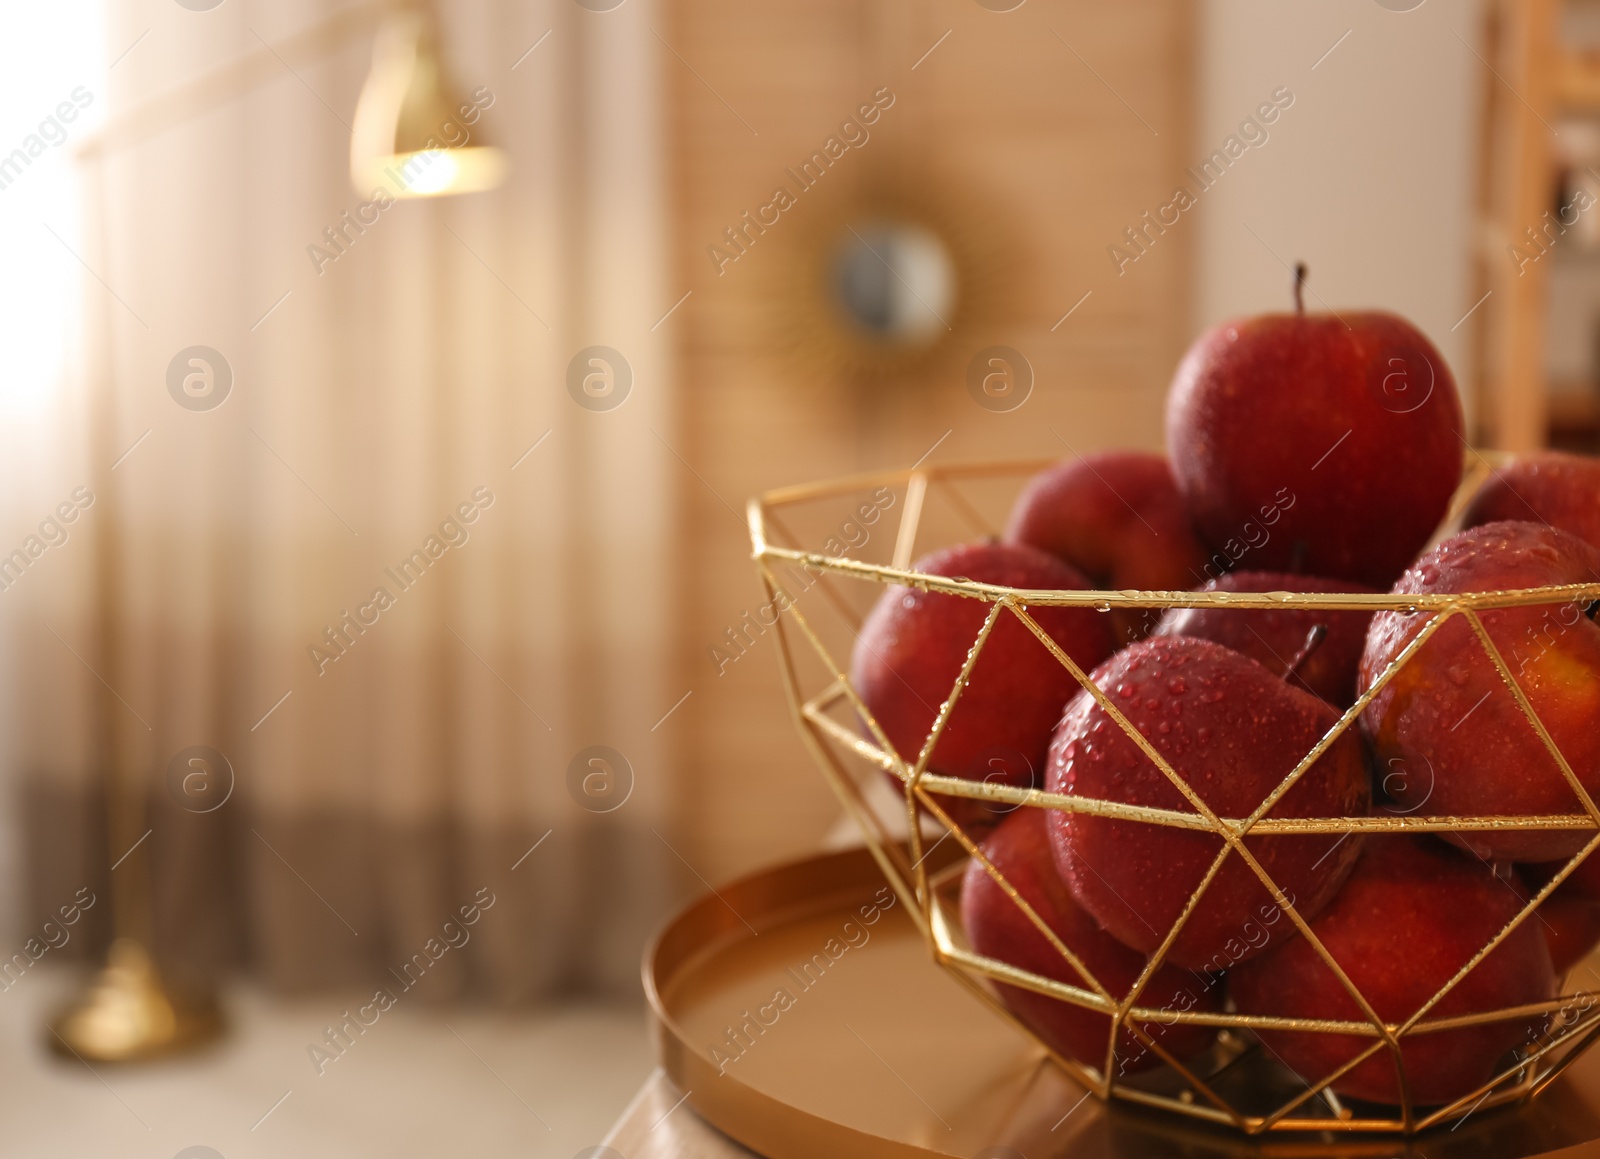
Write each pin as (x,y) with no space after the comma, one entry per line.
(402,593)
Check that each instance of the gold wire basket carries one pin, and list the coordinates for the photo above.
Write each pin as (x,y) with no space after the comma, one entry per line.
(1234,1084)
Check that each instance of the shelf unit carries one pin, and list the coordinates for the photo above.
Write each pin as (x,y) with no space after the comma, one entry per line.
(1535,79)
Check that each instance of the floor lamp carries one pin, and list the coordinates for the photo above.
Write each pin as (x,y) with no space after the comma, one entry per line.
(401,138)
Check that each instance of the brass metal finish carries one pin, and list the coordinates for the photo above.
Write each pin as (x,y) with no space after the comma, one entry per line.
(827,718)
(888,1055)
(408,137)
(127,1015)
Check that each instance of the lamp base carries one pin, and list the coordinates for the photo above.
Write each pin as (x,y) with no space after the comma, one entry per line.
(128,1015)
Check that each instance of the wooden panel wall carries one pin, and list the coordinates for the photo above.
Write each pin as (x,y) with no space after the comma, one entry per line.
(1047,132)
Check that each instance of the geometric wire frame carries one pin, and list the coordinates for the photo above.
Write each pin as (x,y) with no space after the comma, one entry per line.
(929,897)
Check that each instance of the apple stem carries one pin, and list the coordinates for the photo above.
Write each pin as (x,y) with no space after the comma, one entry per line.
(1299,287)
(1314,639)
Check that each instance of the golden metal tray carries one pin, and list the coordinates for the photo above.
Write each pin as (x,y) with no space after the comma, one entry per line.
(882,1053)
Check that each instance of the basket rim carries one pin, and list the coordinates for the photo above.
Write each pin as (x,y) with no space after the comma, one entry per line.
(916,479)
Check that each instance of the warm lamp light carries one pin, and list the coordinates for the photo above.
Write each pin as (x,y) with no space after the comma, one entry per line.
(412,137)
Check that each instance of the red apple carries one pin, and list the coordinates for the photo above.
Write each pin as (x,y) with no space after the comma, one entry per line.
(1570,922)
(997,928)
(1323,443)
(1233,731)
(1546,487)
(1275,637)
(1411,915)
(1585,879)
(1570,916)
(1449,722)
(913,644)
(1117,518)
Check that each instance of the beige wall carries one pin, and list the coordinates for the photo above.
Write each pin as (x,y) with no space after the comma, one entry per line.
(1370,177)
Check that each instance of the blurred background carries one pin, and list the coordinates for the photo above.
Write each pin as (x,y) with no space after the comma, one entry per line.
(384,383)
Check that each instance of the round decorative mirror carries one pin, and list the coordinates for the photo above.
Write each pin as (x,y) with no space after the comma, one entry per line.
(895,281)
(892,279)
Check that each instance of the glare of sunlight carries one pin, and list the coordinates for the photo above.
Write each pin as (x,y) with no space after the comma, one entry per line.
(51,97)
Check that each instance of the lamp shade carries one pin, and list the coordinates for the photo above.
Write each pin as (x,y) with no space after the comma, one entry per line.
(413,136)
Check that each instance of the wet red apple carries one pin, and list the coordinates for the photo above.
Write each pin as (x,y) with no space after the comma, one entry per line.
(997,928)
(1570,922)
(1233,731)
(1448,720)
(1277,637)
(1117,518)
(1570,916)
(1544,487)
(1411,915)
(1323,443)
(913,644)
